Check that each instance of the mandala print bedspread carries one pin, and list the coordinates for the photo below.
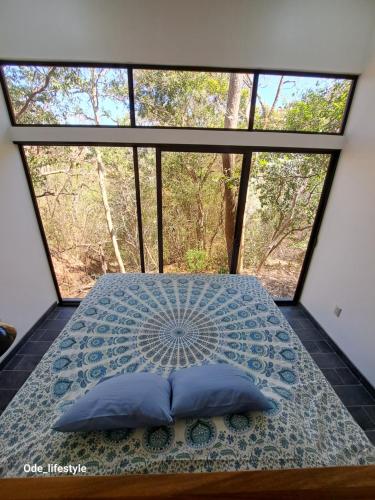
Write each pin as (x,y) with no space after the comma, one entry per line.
(159,323)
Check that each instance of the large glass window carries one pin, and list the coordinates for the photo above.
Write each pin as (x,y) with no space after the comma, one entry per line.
(282,200)
(150,207)
(200,193)
(192,98)
(56,95)
(86,198)
(100,96)
(299,103)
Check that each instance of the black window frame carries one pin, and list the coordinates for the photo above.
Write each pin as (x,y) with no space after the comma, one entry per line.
(246,151)
(130,67)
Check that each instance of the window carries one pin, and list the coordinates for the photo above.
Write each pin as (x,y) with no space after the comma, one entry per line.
(299,103)
(188,208)
(191,98)
(86,199)
(282,201)
(176,98)
(55,95)
(200,192)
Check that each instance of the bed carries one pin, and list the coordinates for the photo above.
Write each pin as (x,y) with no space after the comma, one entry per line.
(159,323)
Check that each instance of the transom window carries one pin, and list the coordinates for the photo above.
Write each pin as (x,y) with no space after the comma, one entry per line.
(177,98)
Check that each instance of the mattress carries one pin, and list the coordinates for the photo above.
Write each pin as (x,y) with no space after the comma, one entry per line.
(160,323)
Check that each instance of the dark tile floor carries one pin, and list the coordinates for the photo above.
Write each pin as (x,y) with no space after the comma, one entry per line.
(359,401)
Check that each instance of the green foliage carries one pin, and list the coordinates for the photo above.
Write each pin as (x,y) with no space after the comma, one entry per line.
(222,270)
(320,110)
(185,99)
(283,194)
(196,260)
(59,95)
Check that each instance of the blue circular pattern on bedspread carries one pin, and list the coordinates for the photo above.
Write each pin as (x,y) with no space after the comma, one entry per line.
(179,338)
(160,324)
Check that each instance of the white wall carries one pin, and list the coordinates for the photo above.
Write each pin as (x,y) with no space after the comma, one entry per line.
(321,35)
(26,287)
(177,136)
(342,271)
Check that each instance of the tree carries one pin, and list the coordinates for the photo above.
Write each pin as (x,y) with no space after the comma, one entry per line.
(92,89)
(86,194)
(288,187)
(320,109)
(230,198)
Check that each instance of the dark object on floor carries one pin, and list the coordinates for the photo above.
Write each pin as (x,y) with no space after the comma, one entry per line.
(7,335)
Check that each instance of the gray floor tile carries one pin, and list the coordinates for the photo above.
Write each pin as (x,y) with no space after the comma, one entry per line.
(306,323)
(6,395)
(354,395)
(311,346)
(361,417)
(328,360)
(27,362)
(13,379)
(332,376)
(371,436)
(324,346)
(12,362)
(294,322)
(49,335)
(35,347)
(292,312)
(54,314)
(37,334)
(370,410)
(312,334)
(65,312)
(54,324)
(347,376)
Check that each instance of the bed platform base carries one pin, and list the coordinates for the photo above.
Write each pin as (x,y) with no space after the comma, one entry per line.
(317,483)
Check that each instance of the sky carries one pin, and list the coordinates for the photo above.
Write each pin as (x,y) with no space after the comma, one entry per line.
(267,87)
(292,89)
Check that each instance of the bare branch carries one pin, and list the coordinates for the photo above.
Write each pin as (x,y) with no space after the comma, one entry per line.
(36,92)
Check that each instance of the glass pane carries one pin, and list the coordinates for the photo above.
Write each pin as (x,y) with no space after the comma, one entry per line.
(86,198)
(300,103)
(74,96)
(192,98)
(147,181)
(282,199)
(199,204)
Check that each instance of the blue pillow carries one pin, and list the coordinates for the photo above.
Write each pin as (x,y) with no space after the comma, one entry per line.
(129,400)
(212,390)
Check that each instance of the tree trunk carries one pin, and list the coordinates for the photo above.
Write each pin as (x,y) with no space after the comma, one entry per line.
(94,99)
(200,223)
(231,120)
(107,209)
(103,262)
(242,244)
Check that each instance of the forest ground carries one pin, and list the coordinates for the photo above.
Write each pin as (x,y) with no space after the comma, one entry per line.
(278,276)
